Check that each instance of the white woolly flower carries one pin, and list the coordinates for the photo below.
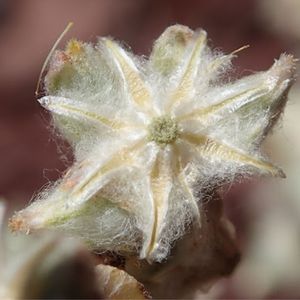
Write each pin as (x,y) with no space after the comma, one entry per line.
(150,137)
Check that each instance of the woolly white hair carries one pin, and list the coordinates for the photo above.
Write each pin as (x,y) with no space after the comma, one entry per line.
(149,137)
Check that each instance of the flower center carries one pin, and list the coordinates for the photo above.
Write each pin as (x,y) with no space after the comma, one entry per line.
(163,130)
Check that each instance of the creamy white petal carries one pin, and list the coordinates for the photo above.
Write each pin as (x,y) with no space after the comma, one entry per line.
(161,184)
(185,88)
(168,51)
(75,74)
(243,113)
(136,87)
(266,87)
(179,155)
(214,149)
(75,110)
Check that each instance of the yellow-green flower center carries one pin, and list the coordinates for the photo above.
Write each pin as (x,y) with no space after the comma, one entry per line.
(163,130)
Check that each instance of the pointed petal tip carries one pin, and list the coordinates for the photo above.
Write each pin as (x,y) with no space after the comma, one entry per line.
(74,47)
(26,221)
(148,255)
(178,29)
(280,173)
(277,172)
(180,35)
(284,68)
(44,101)
(202,32)
(17,223)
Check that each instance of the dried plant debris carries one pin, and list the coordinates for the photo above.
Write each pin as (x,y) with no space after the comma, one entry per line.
(200,258)
(117,284)
(150,137)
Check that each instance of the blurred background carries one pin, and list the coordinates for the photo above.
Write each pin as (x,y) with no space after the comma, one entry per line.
(266,214)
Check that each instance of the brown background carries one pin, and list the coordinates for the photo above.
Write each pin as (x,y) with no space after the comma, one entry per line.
(29,156)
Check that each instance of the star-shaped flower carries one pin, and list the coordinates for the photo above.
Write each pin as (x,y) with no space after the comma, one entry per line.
(150,136)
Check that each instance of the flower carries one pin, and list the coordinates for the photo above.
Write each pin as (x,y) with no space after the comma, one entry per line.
(150,137)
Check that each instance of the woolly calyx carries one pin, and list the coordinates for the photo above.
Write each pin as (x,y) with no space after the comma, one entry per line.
(139,176)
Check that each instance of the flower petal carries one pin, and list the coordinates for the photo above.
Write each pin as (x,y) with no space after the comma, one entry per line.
(79,186)
(248,108)
(169,49)
(161,184)
(132,79)
(83,72)
(185,89)
(185,185)
(208,147)
(78,121)
(71,109)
